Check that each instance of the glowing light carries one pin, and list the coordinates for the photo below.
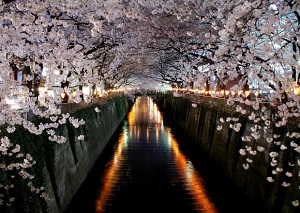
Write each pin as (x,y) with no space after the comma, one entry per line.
(56,72)
(62,95)
(247,93)
(296,89)
(86,90)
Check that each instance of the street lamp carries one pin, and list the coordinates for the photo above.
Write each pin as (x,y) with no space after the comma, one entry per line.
(247,93)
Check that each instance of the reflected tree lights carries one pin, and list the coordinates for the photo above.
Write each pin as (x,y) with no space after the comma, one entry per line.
(145,128)
(194,182)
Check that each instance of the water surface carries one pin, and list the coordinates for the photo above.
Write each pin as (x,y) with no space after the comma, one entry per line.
(146,170)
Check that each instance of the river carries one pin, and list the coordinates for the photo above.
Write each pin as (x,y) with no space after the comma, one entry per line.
(147,168)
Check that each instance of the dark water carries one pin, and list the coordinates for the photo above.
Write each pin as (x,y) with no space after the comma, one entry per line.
(146,168)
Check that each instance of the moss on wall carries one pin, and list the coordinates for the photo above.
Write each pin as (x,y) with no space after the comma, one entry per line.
(47,154)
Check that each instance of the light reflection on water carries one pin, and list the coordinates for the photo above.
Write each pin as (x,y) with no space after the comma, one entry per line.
(146,127)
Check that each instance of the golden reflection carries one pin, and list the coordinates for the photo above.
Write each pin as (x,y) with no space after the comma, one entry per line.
(147,113)
(147,134)
(138,132)
(194,181)
(131,115)
(111,177)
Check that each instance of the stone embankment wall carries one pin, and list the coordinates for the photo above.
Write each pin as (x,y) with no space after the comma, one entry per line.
(222,147)
(62,168)
(73,160)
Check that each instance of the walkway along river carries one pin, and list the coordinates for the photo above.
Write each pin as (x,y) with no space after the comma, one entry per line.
(145,169)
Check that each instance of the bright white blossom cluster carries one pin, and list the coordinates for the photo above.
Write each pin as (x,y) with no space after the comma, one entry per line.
(51,49)
(261,123)
(18,167)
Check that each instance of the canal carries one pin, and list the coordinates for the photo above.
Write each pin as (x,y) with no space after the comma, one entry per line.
(147,168)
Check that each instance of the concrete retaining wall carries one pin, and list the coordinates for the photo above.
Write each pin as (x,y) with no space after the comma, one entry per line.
(62,168)
(73,160)
(222,147)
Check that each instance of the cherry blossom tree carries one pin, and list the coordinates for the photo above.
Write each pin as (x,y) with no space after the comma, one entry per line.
(63,45)
(247,45)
